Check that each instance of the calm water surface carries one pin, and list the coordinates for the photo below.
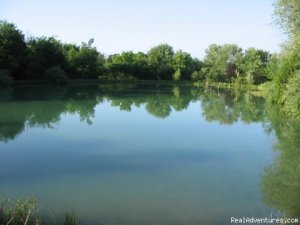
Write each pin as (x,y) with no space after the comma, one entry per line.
(155,153)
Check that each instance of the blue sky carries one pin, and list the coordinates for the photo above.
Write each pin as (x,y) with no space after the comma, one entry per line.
(120,25)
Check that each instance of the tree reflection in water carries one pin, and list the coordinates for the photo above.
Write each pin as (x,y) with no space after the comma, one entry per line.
(39,106)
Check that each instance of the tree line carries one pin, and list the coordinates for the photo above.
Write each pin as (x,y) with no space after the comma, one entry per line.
(50,60)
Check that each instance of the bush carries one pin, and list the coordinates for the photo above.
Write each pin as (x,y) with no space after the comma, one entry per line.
(291,96)
(197,76)
(55,75)
(177,75)
(5,78)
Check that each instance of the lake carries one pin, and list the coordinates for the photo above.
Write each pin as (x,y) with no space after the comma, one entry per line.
(148,153)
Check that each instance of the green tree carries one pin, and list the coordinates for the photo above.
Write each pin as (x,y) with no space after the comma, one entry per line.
(177,75)
(141,67)
(129,64)
(160,60)
(287,15)
(292,97)
(120,66)
(255,64)
(222,63)
(85,61)
(184,63)
(196,76)
(55,75)
(43,53)
(12,50)
(5,78)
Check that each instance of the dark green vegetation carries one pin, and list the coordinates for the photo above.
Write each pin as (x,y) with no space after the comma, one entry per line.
(45,59)
(35,58)
(27,212)
(285,86)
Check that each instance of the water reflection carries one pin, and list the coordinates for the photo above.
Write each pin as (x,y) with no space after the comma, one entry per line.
(281,180)
(38,106)
(27,107)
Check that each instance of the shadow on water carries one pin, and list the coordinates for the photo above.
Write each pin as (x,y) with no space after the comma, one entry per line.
(26,107)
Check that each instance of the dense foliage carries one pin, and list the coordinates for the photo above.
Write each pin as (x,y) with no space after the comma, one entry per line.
(12,49)
(285,86)
(29,59)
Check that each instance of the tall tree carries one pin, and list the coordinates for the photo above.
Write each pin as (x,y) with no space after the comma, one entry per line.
(183,63)
(85,61)
(43,53)
(160,60)
(12,49)
(222,63)
(287,14)
(255,65)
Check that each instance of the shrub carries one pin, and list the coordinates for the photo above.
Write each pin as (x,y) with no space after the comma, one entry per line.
(177,75)
(195,76)
(291,96)
(55,75)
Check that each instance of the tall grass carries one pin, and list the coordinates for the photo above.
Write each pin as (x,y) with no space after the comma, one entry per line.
(26,212)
